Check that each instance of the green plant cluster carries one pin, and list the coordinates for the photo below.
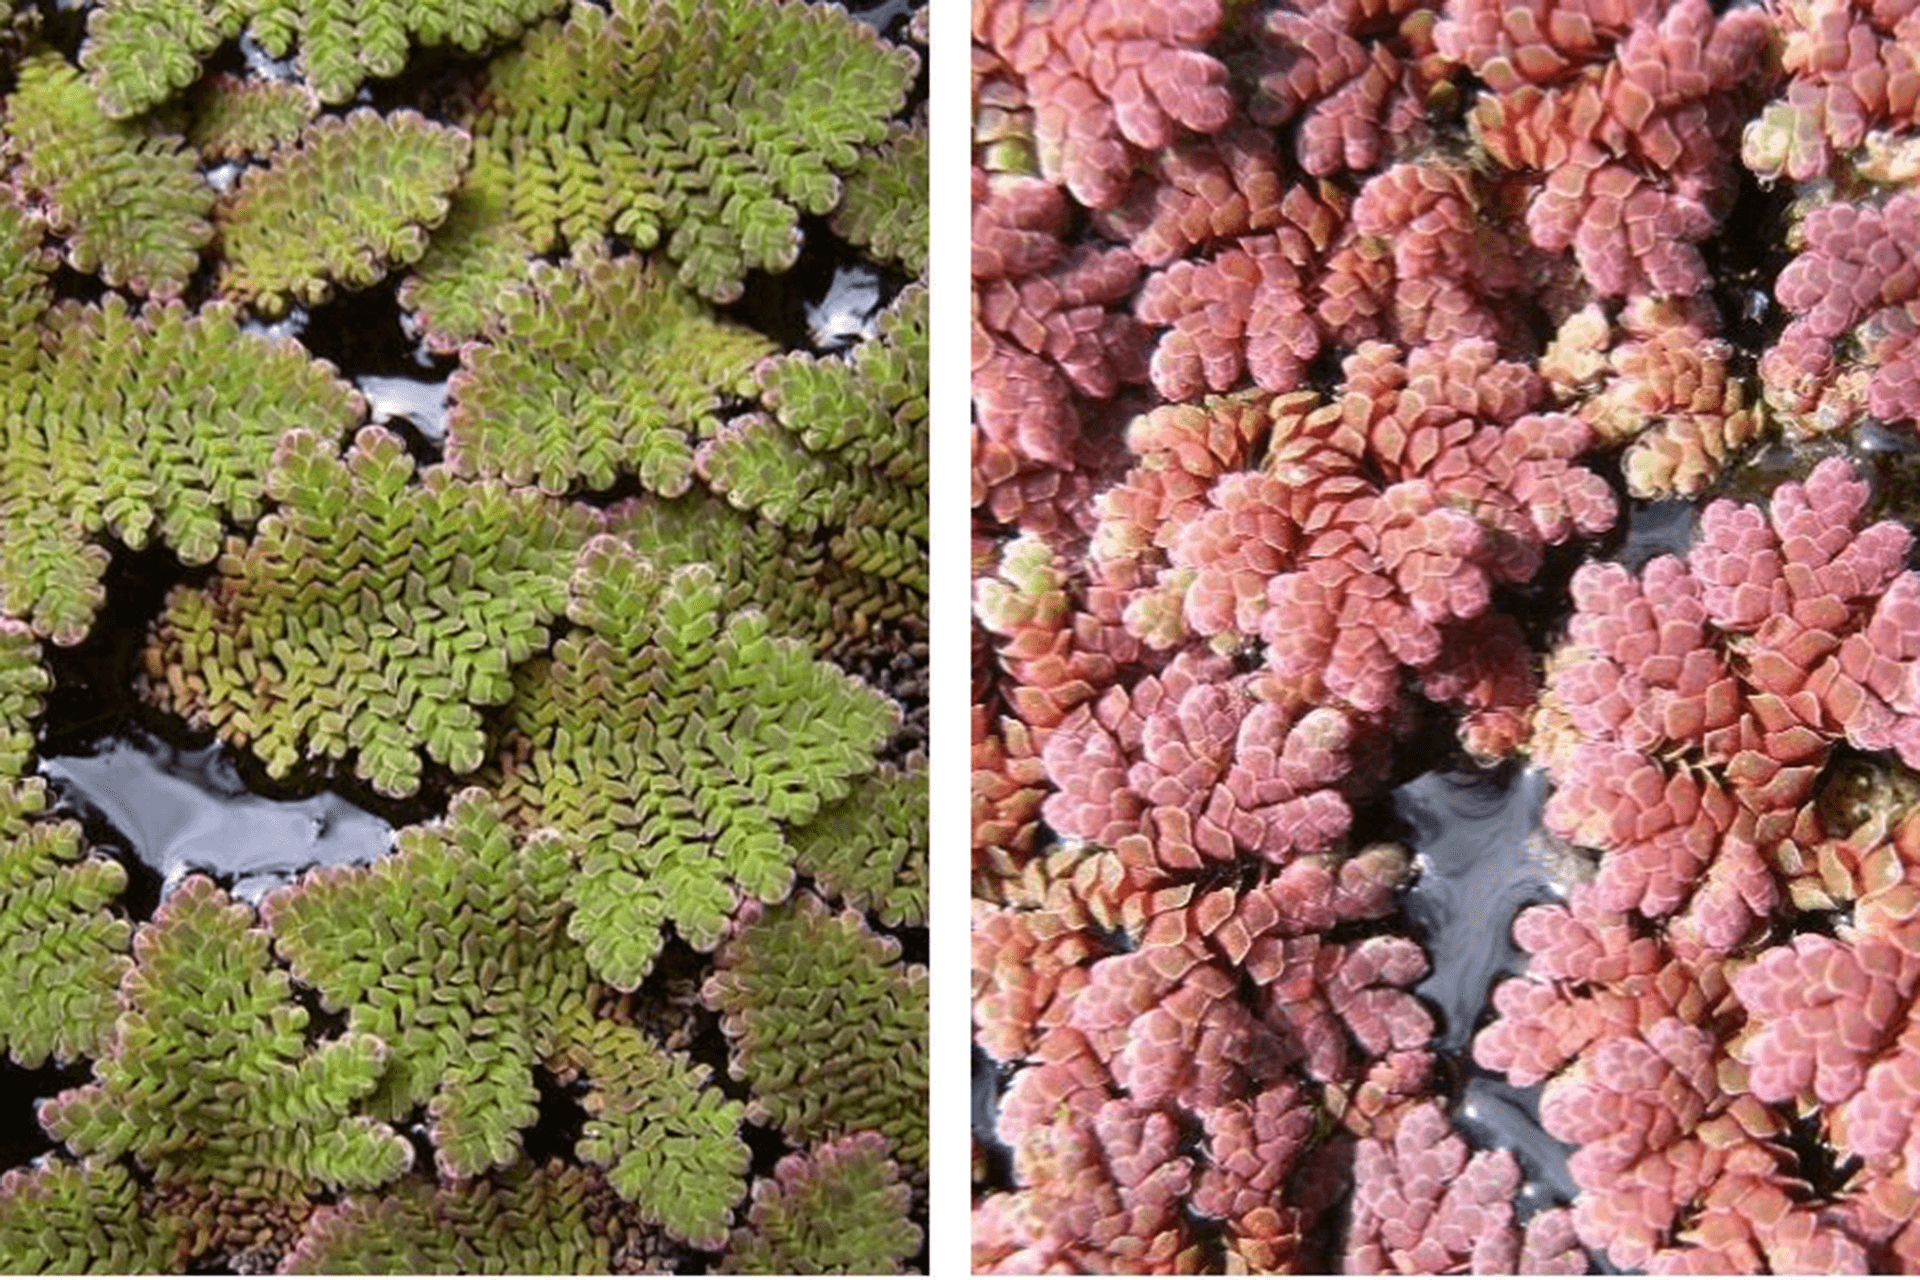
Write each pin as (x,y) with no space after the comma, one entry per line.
(369,614)
(835,1210)
(597,368)
(798,984)
(602,622)
(844,448)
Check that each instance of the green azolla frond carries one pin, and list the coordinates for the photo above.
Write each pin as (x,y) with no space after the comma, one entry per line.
(138,52)
(370,614)
(208,1076)
(839,1209)
(669,1140)
(678,743)
(62,951)
(547,1220)
(870,849)
(597,368)
(845,449)
(22,682)
(476,257)
(453,951)
(884,207)
(127,197)
(232,119)
(161,420)
(805,590)
(356,197)
(705,128)
(60,1218)
(828,1028)
(24,297)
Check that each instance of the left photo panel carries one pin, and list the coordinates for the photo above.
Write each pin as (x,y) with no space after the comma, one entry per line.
(464,637)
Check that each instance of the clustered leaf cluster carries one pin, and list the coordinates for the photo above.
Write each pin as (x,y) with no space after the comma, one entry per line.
(617,617)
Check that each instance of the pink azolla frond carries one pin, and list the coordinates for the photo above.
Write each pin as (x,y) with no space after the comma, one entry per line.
(1103,1193)
(1654,1131)
(1204,190)
(1189,768)
(1244,312)
(1042,329)
(1009,781)
(1451,268)
(1592,975)
(1853,68)
(1424,1205)
(1859,273)
(1355,75)
(1106,80)
(1818,1012)
(1626,109)
(1055,652)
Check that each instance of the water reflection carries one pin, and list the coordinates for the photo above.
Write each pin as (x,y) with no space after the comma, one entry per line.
(181,811)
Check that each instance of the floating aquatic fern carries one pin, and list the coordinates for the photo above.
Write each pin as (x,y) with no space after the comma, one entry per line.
(369,614)
(139,52)
(678,744)
(124,195)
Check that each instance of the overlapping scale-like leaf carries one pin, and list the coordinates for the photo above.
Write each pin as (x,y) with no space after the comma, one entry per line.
(827,1026)
(370,614)
(161,421)
(124,195)
(139,52)
(679,744)
(357,196)
(598,368)
(705,128)
(233,119)
(209,1078)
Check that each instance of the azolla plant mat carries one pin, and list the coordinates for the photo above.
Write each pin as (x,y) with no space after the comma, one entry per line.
(463,637)
(1446,656)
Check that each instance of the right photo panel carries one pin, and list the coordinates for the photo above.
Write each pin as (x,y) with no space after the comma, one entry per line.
(1446,661)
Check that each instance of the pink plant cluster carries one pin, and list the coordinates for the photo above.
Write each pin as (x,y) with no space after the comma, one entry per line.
(1680,1006)
(1312,344)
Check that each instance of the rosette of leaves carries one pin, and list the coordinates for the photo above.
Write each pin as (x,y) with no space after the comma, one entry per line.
(679,744)
(161,420)
(869,850)
(125,196)
(59,1218)
(596,368)
(208,1080)
(839,1209)
(845,449)
(369,614)
(356,197)
(453,952)
(544,1220)
(884,207)
(138,52)
(827,1027)
(703,128)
